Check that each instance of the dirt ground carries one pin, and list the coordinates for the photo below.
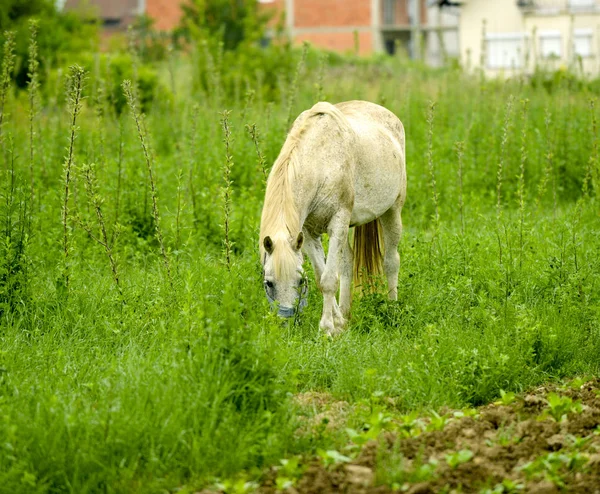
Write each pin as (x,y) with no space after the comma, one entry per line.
(542,442)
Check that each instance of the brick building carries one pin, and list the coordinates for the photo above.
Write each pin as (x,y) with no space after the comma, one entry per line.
(340,25)
(116,15)
(334,24)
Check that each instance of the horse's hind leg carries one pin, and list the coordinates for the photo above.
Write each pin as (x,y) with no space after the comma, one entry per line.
(346,279)
(391,223)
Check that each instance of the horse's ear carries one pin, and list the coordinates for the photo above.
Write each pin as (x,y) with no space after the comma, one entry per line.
(299,241)
(268,245)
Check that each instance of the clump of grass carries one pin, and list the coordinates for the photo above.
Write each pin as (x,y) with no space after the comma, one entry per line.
(227,190)
(138,120)
(74,97)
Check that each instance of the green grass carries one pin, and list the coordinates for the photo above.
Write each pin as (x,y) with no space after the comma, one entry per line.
(182,386)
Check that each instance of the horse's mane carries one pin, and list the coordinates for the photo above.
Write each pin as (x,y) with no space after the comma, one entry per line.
(280,218)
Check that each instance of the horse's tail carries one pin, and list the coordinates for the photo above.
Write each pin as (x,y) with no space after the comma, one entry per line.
(368,255)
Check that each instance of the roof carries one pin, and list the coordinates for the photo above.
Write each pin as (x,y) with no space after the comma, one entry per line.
(108,9)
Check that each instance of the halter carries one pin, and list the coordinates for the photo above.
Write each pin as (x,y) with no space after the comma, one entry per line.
(302,298)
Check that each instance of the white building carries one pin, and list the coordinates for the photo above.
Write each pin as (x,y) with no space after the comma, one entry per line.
(518,35)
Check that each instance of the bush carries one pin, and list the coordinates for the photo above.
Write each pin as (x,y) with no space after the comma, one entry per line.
(61,35)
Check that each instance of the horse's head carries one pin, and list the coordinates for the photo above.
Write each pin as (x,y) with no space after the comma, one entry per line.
(284,281)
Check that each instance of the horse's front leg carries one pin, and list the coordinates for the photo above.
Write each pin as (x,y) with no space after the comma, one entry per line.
(314,250)
(332,321)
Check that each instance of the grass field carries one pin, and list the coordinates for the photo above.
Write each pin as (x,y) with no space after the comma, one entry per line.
(177,376)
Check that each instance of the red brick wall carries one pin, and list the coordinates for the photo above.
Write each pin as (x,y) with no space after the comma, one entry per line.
(342,42)
(166,13)
(314,13)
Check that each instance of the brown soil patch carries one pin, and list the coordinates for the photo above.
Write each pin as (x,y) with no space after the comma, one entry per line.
(518,446)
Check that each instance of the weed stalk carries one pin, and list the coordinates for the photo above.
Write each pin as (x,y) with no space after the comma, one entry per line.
(521,178)
(293,90)
(261,161)
(8,64)
(32,86)
(91,187)
(227,187)
(74,97)
(138,120)
(503,153)
(460,153)
(430,119)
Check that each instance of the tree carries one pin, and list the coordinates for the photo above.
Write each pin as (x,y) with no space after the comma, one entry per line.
(229,21)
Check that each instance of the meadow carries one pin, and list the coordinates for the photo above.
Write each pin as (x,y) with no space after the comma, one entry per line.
(137,349)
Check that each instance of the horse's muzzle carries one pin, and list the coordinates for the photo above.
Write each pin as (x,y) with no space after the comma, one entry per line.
(286,312)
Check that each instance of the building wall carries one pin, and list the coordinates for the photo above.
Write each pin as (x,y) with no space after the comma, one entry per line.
(566,25)
(501,16)
(329,13)
(504,17)
(342,41)
(166,13)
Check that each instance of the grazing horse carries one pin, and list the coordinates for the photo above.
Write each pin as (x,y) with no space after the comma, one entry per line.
(341,166)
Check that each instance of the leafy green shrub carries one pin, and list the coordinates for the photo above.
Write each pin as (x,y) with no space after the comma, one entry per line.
(120,69)
(61,35)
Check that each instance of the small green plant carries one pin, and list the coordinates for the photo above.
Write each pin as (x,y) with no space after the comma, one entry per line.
(454,460)
(437,422)
(399,472)
(575,383)
(238,486)
(507,486)
(506,398)
(288,472)
(332,458)
(553,466)
(410,425)
(561,406)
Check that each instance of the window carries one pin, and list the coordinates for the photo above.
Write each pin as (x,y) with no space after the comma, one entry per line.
(389,12)
(505,50)
(582,42)
(550,44)
(578,4)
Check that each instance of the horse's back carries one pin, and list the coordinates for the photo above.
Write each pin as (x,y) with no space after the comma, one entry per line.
(380,172)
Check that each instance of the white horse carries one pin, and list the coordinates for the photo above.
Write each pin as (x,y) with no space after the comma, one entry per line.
(341,166)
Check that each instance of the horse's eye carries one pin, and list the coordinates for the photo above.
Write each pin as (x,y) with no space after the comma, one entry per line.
(269,284)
